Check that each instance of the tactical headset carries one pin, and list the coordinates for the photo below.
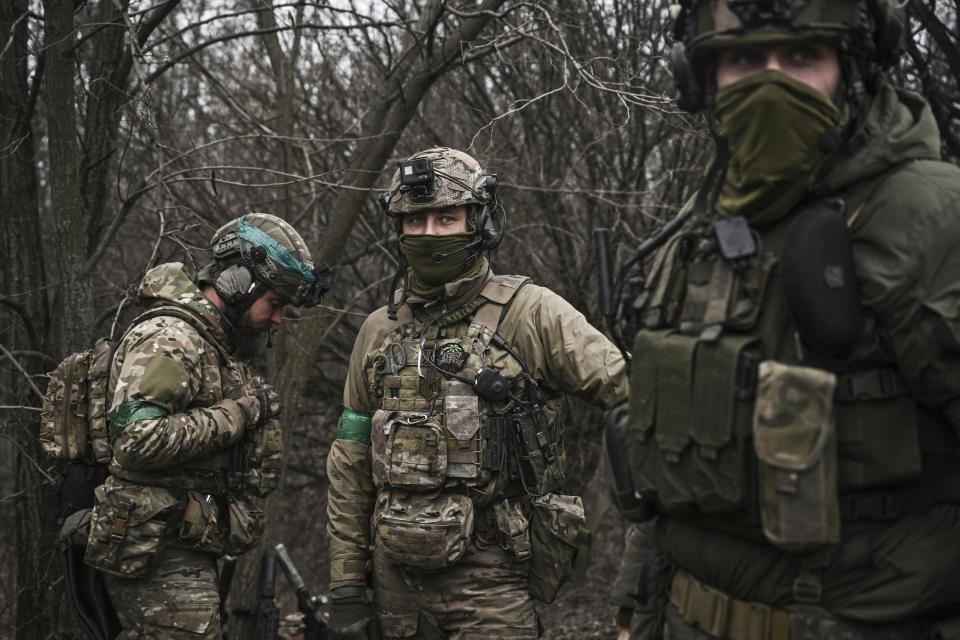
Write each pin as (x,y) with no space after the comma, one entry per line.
(884,19)
(237,283)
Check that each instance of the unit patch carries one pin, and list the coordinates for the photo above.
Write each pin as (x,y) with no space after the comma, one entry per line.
(451,357)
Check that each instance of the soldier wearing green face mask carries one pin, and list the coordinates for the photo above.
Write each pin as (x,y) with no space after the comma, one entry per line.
(447,471)
(795,417)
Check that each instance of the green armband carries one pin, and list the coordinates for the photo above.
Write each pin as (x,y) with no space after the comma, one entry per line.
(131,411)
(354,426)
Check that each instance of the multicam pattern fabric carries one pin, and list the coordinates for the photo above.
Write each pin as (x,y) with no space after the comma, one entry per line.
(178,599)
(194,477)
(73,423)
(492,604)
(447,192)
(559,347)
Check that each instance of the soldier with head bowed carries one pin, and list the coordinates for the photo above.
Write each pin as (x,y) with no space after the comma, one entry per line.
(794,418)
(447,471)
(196,444)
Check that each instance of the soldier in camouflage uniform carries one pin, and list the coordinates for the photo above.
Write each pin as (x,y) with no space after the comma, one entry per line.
(196,443)
(448,460)
(795,418)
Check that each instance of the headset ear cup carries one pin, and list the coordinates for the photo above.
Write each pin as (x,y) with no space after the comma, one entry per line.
(234,283)
(691,93)
(491,230)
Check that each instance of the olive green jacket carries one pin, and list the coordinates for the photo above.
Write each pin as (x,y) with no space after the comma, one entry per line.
(562,350)
(905,225)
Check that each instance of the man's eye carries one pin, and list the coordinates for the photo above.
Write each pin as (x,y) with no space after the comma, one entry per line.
(802,54)
(744,58)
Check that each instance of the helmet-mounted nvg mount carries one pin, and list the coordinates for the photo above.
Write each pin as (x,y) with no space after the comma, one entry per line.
(441,177)
(871,30)
(259,251)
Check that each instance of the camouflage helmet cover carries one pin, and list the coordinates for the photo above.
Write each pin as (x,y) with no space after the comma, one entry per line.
(275,253)
(459,180)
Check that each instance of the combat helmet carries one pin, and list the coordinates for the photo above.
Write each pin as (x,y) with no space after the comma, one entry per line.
(441,177)
(257,252)
(867,33)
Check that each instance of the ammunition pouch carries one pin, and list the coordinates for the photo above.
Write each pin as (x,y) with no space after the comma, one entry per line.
(691,411)
(129,526)
(423,531)
(797,448)
(557,531)
(537,452)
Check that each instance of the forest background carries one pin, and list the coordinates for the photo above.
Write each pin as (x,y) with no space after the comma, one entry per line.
(130,130)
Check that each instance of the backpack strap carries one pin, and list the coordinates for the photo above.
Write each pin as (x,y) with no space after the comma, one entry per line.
(172,311)
(498,292)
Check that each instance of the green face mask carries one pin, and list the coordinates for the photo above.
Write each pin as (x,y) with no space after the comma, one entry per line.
(419,250)
(773,125)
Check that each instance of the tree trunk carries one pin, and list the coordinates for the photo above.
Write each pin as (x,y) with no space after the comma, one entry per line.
(70,228)
(23,323)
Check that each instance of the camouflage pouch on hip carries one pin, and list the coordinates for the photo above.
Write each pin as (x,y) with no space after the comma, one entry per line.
(246,523)
(796,444)
(424,531)
(129,526)
(556,532)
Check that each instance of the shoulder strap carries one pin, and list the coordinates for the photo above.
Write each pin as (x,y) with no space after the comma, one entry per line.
(499,292)
(180,313)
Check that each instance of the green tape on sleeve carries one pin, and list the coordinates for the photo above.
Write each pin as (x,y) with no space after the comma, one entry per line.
(131,411)
(354,426)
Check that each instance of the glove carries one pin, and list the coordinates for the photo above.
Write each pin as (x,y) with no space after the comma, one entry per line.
(262,404)
(352,616)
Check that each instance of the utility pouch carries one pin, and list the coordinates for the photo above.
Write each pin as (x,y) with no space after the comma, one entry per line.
(246,523)
(423,531)
(263,450)
(513,529)
(410,451)
(796,445)
(536,453)
(461,416)
(199,525)
(556,531)
(129,527)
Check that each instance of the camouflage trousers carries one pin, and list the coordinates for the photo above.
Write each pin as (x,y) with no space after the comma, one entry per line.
(483,596)
(179,599)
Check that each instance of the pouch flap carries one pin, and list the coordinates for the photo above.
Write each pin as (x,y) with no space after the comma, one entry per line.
(562,515)
(137,504)
(794,415)
(461,408)
(715,388)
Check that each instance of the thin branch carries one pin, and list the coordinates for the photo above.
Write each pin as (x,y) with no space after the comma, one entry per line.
(26,375)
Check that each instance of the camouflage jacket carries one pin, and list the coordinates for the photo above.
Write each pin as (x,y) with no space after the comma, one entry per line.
(180,414)
(563,352)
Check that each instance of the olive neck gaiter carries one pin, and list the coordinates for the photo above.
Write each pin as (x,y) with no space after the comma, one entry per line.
(773,126)
(427,278)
